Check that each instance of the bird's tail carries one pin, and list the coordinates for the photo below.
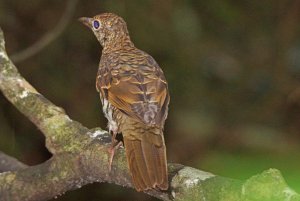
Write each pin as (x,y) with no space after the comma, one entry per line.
(146,157)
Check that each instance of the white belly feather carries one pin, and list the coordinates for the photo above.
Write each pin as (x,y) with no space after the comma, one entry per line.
(108,112)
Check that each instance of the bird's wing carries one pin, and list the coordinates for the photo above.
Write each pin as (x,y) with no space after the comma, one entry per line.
(138,90)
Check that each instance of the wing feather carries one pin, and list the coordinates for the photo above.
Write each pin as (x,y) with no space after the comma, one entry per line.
(138,88)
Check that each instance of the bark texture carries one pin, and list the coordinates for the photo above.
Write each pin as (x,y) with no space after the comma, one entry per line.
(80,157)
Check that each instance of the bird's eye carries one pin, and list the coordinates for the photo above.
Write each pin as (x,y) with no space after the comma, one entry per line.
(96,24)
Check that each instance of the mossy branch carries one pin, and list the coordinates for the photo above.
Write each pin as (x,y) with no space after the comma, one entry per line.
(8,163)
(80,157)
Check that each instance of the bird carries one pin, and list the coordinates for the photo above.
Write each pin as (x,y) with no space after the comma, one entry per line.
(135,97)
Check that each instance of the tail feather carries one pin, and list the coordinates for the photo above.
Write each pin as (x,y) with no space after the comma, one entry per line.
(139,183)
(163,175)
(147,162)
(141,163)
(150,161)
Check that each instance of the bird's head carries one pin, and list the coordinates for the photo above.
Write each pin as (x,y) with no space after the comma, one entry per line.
(109,28)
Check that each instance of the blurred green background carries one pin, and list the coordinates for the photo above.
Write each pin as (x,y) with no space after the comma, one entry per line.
(233,69)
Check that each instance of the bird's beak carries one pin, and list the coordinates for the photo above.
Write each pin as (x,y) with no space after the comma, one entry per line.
(86,21)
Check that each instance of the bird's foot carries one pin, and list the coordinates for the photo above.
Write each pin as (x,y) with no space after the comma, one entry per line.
(114,146)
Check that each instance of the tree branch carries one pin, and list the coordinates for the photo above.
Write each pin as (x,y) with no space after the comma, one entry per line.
(80,157)
(8,163)
(49,36)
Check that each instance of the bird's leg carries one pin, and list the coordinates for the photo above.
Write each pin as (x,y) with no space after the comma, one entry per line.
(115,144)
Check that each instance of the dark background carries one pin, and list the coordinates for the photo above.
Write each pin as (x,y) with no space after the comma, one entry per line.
(233,69)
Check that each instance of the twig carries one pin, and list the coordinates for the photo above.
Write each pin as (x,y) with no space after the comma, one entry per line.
(49,36)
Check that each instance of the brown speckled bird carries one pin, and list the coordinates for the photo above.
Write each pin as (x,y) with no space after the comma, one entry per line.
(135,98)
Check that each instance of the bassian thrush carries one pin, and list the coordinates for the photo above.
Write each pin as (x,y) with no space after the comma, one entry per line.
(135,98)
